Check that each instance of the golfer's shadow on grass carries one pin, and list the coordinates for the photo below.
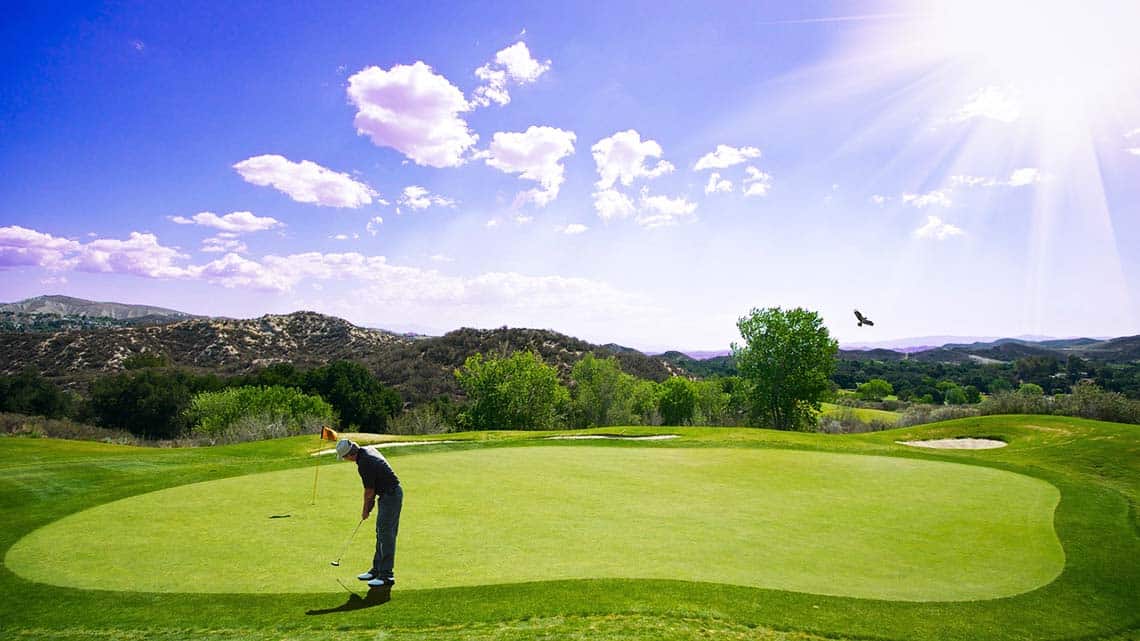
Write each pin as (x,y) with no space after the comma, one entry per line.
(375,597)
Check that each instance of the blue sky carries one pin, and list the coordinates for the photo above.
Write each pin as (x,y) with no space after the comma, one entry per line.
(643,173)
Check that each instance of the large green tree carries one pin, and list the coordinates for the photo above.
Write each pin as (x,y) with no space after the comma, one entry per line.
(518,392)
(787,357)
(678,401)
(603,394)
(362,401)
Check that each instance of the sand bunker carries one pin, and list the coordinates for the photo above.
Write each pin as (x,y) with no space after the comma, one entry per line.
(388,444)
(957,443)
(576,437)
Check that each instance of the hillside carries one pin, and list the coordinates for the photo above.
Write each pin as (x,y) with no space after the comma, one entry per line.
(419,368)
(68,306)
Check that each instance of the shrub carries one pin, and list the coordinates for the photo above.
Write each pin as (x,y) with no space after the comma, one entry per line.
(38,426)
(250,413)
(148,403)
(1087,400)
(30,393)
(359,398)
(921,414)
(875,389)
(423,419)
(846,421)
(1015,403)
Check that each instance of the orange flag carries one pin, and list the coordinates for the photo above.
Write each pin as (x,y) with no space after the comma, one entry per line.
(328,434)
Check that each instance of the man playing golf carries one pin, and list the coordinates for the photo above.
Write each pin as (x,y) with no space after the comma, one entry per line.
(379,481)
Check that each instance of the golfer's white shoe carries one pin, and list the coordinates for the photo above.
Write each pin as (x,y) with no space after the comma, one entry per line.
(376,583)
(366,576)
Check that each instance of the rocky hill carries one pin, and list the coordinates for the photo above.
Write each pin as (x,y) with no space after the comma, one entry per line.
(420,368)
(68,306)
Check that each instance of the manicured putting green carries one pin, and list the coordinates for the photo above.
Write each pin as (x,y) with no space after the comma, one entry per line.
(835,524)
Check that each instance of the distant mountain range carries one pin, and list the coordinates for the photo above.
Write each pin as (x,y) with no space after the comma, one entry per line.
(73,339)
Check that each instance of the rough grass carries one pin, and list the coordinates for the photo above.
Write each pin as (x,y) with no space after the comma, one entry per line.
(1095,466)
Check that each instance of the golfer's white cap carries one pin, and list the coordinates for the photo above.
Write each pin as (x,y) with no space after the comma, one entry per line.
(344,447)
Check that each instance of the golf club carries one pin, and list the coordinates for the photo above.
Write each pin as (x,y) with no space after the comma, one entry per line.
(336,563)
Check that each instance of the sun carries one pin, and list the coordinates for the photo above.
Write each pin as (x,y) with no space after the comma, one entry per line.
(1055,58)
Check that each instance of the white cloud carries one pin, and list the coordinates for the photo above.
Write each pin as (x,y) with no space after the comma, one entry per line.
(756,182)
(1133,133)
(622,157)
(1135,151)
(1024,176)
(238,222)
(937,230)
(417,197)
(442,258)
(663,211)
(715,184)
(571,229)
(879,199)
(725,156)
(523,219)
(140,254)
(611,203)
(492,223)
(990,103)
(1018,178)
(972,181)
(219,244)
(373,226)
(20,246)
(936,197)
(535,154)
(514,63)
(413,110)
(305,181)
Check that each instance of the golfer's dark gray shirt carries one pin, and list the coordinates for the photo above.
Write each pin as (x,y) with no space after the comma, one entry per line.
(375,471)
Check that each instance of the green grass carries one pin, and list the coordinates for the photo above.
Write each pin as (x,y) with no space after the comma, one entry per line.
(864,414)
(840,524)
(1093,467)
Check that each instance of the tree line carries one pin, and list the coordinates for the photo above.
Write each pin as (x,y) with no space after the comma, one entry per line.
(785,362)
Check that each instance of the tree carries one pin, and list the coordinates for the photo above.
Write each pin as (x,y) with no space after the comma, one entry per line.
(358,396)
(518,392)
(149,402)
(678,401)
(602,392)
(787,357)
(1031,390)
(30,393)
(875,389)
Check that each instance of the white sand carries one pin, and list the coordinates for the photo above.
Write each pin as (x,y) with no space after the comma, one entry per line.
(957,443)
(657,437)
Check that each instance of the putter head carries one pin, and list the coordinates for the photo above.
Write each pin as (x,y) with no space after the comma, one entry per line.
(335,564)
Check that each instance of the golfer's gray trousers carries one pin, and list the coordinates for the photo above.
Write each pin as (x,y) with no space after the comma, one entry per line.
(387,524)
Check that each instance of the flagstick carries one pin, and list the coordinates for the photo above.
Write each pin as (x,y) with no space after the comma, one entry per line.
(317,472)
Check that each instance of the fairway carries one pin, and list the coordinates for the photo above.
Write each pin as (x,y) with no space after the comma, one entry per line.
(804,521)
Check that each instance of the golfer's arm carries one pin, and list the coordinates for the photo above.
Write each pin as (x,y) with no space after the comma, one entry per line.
(369,497)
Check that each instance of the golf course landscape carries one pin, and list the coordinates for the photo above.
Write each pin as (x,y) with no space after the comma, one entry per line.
(717,533)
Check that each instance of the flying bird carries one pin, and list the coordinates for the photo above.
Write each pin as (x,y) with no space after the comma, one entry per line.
(863,320)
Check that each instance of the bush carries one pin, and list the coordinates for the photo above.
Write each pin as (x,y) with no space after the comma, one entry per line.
(678,401)
(846,421)
(1015,403)
(921,414)
(875,389)
(30,393)
(252,413)
(1090,401)
(361,400)
(423,419)
(38,427)
(148,403)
